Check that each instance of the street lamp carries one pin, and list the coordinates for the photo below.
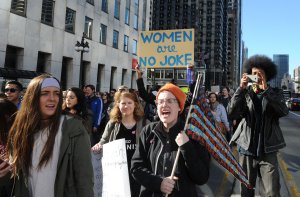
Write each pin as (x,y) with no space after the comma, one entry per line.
(82,47)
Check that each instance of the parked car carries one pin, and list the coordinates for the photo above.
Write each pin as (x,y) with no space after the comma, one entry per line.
(294,104)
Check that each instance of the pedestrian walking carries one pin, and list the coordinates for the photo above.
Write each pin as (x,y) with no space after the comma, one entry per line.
(154,157)
(7,116)
(95,104)
(13,91)
(75,105)
(220,114)
(49,153)
(126,121)
(258,136)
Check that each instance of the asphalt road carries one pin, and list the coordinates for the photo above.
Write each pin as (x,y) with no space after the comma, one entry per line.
(223,184)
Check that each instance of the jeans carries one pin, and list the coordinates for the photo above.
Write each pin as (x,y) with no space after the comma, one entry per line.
(265,168)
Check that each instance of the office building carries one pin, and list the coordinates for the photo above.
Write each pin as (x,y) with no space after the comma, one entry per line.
(40,36)
(282,63)
(217,27)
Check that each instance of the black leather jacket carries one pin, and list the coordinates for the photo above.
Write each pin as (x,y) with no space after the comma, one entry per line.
(154,159)
(273,107)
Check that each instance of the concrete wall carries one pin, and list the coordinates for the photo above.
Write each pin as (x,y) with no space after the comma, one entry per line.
(33,36)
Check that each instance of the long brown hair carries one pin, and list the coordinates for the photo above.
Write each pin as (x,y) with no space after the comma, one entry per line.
(115,114)
(7,116)
(27,123)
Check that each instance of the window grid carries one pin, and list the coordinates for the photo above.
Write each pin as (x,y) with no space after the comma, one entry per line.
(127,12)
(136,14)
(47,12)
(134,47)
(115,39)
(117,9)
(126,38)
(70,20)
(104,6)
(88,27)
(103,32)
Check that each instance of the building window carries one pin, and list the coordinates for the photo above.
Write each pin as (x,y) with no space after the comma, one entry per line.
(90,1)
(115,39)
(19,7)
(181,74)
(103,32)
(117,9)
(158,74)
(70,20)
(169,74)
(104,6)
(126,43)
(88,27)
(47,12)
(127,12)
(134,47)
(136,14)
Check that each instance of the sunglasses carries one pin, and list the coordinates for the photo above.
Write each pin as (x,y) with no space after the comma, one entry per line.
(10,90)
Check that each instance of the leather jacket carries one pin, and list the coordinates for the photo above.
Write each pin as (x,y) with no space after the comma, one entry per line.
(272,108)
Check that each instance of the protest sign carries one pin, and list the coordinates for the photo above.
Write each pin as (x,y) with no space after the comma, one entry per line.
(167,49)
(115,170)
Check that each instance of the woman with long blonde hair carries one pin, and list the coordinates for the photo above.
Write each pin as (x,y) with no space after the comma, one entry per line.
(126,121)
(49,152)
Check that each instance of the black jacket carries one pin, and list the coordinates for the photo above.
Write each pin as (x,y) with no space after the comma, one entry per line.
(147,97)
(154,158)
(272,108)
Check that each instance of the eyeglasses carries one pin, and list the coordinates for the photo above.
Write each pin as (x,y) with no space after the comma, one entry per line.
(10,90)
(168,101)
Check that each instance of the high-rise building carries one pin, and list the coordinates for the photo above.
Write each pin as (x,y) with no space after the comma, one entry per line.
(282,63)
(217,25)
(234,50)
(297,79)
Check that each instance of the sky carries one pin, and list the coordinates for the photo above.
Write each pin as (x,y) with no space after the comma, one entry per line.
(272,27)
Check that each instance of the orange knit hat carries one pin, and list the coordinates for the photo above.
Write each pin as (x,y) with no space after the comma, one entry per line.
(176,91)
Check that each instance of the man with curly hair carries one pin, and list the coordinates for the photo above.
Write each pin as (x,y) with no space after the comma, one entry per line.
(258,136)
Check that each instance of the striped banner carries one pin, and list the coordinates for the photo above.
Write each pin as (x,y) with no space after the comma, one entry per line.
(201,127)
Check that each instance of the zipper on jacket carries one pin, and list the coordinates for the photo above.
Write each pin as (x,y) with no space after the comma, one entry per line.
(156,162)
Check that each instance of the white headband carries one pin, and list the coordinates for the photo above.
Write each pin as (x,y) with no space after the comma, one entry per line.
(50,82)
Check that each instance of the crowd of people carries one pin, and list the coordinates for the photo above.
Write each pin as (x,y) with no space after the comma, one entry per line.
(46,138)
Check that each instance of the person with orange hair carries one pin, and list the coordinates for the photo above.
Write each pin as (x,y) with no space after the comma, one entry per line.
(155,154)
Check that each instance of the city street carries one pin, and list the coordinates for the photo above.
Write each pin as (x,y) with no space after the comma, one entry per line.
(290,157)
(222,183)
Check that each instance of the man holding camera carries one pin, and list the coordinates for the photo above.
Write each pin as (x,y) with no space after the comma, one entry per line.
(258,136)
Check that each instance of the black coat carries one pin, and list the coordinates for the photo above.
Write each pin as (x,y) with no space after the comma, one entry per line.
(272,108)
(154,158)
